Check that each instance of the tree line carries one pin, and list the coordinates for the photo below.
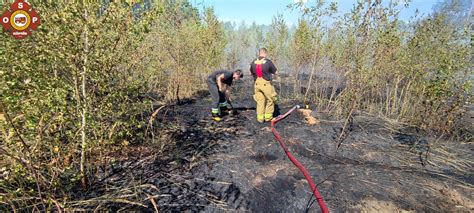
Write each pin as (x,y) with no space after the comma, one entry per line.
(416,71)
(85,83)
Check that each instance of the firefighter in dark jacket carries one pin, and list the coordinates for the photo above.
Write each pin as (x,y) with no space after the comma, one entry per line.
(219,83)
(262,70)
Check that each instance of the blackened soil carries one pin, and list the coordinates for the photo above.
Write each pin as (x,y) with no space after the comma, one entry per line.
(236,164)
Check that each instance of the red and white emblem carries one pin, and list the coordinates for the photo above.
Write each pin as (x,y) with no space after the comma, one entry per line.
(20,19)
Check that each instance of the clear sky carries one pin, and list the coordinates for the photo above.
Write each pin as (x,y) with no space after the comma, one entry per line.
(262,11)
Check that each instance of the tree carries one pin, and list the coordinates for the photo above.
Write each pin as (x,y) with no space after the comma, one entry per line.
(81,87)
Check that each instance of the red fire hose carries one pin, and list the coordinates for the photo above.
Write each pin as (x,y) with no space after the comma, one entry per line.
(316,194)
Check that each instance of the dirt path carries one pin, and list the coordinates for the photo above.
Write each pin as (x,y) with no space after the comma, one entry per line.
(237,165)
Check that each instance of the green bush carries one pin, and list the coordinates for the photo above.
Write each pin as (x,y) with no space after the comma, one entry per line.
(84,83)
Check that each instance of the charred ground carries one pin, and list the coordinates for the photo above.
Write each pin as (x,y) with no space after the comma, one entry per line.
(237,165)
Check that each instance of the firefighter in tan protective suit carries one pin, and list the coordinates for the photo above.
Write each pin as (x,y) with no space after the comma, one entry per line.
(262,70)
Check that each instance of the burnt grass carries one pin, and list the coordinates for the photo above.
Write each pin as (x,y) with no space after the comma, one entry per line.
(237,165)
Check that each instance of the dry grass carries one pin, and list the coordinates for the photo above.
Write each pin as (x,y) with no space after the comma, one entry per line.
(308,117)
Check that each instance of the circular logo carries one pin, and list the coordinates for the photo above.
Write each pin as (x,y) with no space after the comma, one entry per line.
(20,20)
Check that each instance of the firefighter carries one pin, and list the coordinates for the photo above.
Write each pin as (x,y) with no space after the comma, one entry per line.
(219,83)
(262,70)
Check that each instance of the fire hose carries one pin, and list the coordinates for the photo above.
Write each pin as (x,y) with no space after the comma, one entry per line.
(316,193)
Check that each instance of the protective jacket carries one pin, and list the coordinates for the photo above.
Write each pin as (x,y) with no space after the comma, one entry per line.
(262,68)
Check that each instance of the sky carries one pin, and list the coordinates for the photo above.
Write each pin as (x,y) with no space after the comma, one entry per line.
(262,11)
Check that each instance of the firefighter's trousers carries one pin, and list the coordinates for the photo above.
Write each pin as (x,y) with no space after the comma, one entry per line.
(218,97)
(265,96)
